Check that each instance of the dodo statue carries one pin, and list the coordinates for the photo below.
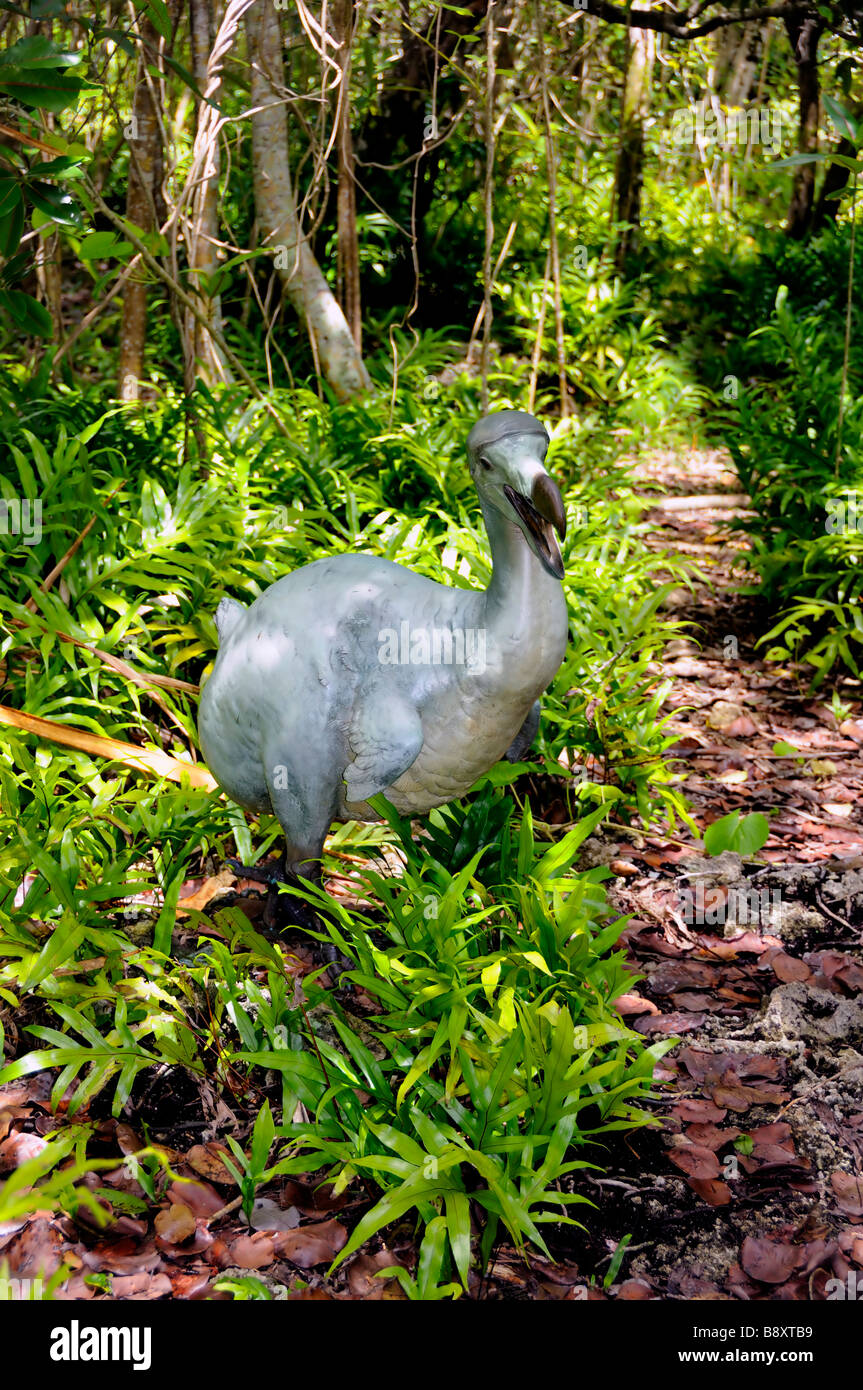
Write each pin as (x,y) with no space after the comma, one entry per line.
(353,675)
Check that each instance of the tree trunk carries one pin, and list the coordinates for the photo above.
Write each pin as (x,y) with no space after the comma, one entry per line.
(418,95)
(303,282)
(49,275)
(804,35)
(739,50)
(143,194)
(348,265)
(835,178)
(553,246)
(399,122)
(488,199)
(629,174)
(202,357)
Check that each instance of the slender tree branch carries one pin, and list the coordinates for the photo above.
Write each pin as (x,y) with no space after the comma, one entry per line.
(678,25)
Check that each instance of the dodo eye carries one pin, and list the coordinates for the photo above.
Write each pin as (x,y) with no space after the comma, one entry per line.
(486,465)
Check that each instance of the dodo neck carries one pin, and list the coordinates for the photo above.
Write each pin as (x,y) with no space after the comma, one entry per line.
(521,587)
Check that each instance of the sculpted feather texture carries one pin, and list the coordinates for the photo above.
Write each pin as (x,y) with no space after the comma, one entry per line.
(354,676)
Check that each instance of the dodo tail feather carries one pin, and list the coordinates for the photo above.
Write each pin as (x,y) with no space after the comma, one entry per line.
(228,614)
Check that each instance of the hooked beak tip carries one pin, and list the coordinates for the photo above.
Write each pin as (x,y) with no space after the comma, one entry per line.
(549,503)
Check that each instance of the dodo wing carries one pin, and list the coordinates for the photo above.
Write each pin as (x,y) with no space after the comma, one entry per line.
(385,737)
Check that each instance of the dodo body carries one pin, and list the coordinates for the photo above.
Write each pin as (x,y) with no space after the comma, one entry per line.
(353,675)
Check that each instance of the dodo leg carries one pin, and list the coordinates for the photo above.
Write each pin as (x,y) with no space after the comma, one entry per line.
(525,736)
(305,807)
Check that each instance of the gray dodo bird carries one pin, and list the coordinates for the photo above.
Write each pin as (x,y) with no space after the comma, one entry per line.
(353,675)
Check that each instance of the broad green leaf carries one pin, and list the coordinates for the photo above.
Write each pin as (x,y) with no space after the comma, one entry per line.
(844,122)
(48,91)
(157,10)
(55,203)
(746,836)
(38,51)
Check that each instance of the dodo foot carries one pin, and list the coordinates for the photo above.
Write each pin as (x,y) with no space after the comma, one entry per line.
(281,910)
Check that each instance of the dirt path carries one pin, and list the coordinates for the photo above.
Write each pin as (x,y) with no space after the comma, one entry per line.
(753,1188)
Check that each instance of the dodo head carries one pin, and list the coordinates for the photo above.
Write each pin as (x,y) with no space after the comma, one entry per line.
(506,453)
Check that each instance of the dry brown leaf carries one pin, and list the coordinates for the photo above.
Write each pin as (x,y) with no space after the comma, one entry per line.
(777,1133)
(788,968)
(712,1190)
(18,1148)
(849,1192)
(207,1162)
(175,1223)
(698,1111)
(253,1252)
(200,1197)
(628,1004)
(816,1253)
(696,1161)
(147,760)
(122,1256)
(310,1200)
(192,1286)
(740,1098)
(769,1261)
(710,1136)
(128,1141)
(363,1274)
(312,1245)
(211,888)
(670,1023)
(635,1290)
(852,728)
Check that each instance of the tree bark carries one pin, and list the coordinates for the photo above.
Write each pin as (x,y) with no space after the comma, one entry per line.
(348,264)
(629,175)
(275,203)
(419,93)
(739,52)
(399,123)
(49,275)
(804,34)
(142,198)
(488,200)
(202,357)
(553,246)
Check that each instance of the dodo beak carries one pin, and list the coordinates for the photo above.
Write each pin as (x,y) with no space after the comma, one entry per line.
(542,513)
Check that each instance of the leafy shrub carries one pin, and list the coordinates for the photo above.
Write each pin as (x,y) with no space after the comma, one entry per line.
(803,477)
(511,986)
(493,1052)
